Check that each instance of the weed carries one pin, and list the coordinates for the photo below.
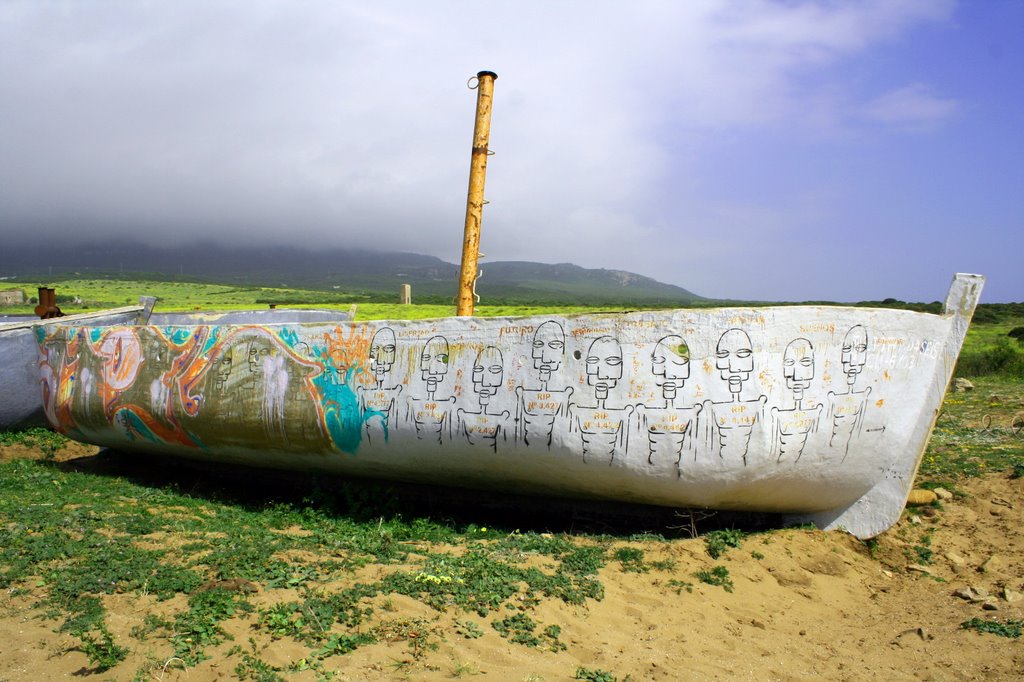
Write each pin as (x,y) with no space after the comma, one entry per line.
(253,668)
(718,542)
(631,559)
(338,645)
(1008,628)
(48,441)
(519,628)
(596,675)
(468,629)
(199,627)
(459,669)
(680,585)
(757,555)
(718,576)
(101,650)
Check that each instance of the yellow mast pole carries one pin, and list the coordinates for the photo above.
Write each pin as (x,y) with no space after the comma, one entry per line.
(475,198)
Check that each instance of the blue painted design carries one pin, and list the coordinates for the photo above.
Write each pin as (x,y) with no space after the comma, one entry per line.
(133,426)
(343,416)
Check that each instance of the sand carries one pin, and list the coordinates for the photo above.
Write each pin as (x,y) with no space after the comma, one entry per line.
(805,605)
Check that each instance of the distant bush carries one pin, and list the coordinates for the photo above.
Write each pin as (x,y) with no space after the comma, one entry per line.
(1017,333)
(1002,358)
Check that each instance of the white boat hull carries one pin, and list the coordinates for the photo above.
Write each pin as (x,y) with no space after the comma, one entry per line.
(818,412)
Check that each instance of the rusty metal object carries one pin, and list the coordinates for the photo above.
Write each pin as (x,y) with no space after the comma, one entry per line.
(47,308)
(475,199)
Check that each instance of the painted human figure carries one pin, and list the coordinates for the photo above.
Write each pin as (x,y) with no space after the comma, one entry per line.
(668,426)
(537,409)
(222,374)
(847,409)
(488,425)
(432,415)
(378,402)
(603,430)
(732,421)
(792,425)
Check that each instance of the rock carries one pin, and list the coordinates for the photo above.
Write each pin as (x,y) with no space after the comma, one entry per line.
(978,590)
(915,520)
(971,594)
(1012,596)
(965,593)
(920,497)
(918,568)
(942,493)
(955,559)
(960,385)
(990,606)
(993,564)
(930,512)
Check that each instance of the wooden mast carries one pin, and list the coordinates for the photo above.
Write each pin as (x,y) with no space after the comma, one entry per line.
(475,198)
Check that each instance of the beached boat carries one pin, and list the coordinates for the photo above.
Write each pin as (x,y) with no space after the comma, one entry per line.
(814,411)
(20,399)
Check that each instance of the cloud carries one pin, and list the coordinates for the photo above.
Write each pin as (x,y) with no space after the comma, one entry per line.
(913,107)
(349,124)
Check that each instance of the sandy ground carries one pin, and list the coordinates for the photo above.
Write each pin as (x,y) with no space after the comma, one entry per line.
(805,605)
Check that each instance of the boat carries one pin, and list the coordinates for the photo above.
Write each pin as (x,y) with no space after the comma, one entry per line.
(821,413)
(20,400)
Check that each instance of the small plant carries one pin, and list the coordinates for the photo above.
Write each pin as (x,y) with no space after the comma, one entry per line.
(253,668)
(459,669)
(1017,471)
(596,675)
(1008,628)
(681,585)
(468,629)
(338,645)
(757,555)
(102,651)
(718,576)
(519,628)
(718,542)
(631,559)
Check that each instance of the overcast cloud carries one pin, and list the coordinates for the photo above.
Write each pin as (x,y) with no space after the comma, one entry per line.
(749,149)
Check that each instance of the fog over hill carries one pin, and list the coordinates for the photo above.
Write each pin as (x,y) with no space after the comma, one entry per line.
(365,272)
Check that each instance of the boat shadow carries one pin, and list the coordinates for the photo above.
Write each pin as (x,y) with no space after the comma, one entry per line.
(364,499)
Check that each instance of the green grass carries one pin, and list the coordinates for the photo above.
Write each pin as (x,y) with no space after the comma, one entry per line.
(974,433)
(72,538)
(97,294)
(1007,628)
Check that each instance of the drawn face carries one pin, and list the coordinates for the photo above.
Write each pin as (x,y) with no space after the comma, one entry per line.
(548,348)
(488,371)
(259,351)
(670,361)
(798,364)
(604,365)
(734,358)
(434,361)
(855,352)
(382,352)
(224,365)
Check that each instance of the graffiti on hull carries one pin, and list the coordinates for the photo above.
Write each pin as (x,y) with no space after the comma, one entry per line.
(660,394)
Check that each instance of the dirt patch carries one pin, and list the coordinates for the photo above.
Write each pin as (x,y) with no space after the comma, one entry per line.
(791,605)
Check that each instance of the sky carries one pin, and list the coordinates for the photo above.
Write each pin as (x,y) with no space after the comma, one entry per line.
(791,150)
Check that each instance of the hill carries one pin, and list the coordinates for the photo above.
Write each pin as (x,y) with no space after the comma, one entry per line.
(373,273)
